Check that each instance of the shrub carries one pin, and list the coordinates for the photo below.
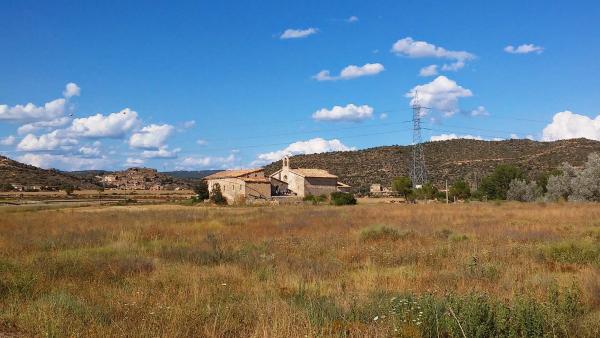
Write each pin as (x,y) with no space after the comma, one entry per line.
(402,186)
(426,192)
(379,232)
(342,198)
(68,188)
(216,196)
(459,190)
(521,191)
(496,185)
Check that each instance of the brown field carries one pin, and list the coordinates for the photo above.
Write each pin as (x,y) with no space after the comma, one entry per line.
(472,270)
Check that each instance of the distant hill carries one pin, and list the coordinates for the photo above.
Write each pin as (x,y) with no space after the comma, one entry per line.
(15,172)
(454,159)
(190,174)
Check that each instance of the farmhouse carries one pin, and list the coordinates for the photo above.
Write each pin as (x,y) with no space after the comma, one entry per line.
(236,184)
(302,181)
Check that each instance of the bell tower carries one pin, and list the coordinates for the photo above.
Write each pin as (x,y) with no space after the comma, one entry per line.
(286,162)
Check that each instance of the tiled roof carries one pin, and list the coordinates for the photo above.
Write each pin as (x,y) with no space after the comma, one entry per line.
(232,173)
(313,173)
(255,179)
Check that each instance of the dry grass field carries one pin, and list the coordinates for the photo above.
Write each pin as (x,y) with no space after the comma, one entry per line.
(377,270)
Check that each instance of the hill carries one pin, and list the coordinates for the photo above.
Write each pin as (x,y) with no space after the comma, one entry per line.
(18,173)
(452,160)
(190,174)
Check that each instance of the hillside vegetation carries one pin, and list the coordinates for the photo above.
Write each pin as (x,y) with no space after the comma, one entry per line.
(15,172)
(470,160)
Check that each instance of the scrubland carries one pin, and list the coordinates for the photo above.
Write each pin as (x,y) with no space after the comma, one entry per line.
(473,270)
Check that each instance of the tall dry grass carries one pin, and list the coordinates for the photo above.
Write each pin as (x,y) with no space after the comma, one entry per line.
(366,270)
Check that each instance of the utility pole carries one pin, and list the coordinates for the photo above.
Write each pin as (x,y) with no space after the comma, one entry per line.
(418,172)
(446,191)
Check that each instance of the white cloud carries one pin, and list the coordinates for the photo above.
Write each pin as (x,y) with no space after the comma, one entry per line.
(71,89)
(153,136)
(31,112)
(524,49)
(189,124)
(34,126)
(114,125)
(206,162)
(134,162)
(479,111)
(312,146)
(430,70)
(350,112)
(162,152)
(421,49)
(64,162)
(88,151)
(568,125)
(383,116)
(51,141)
(446,137)
(454,66)
(441,94)
(352,19)
(297,33)
(201,142)
(8,141)
(351,72)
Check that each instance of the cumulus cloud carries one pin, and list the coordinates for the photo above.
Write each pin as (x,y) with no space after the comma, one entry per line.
(297,33)
(446,137)
(151,137)
(524,49)
(51,141)
(430,70)
(422,49)
(71,89)
(162,152)
(114,125)
(31,112)
(352,19)
(206,162)
(87,151)
(568,125)
(350,112)
(201,142)
(134,162)
(441,94)
(479,111)
(189,124)
(35,126)
(351,72)
(312,146)
(8,141)
(64,162)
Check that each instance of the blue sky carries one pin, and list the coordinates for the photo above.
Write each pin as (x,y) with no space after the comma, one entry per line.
(222,85)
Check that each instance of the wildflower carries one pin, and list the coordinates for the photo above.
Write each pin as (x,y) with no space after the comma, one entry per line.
(223,284)
(376,318)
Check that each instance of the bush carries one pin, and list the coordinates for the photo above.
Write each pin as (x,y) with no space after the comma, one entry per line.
(576,184)
(342,198)
(426,192)
(68,188)
(459,190)
(402,186)
(379,232)
(496,185)
(6,187)
(216,196)
(521,191)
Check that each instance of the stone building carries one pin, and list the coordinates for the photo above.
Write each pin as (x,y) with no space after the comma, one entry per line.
(302,181)
(236,184)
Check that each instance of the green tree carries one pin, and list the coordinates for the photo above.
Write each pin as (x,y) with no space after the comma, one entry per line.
(342,198)
(216,196)
(6,187)
(497,184)
(201,190)
(426,192)
(459,190)
(542,178)
(402,186)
